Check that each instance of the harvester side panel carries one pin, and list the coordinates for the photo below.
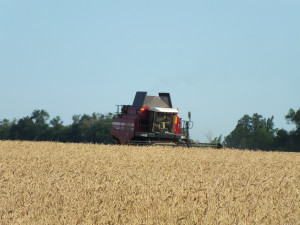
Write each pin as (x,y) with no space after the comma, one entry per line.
(123,127)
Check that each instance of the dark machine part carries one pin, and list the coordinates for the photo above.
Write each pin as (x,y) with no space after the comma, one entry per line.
(139,99)
(166,98)
(189,125)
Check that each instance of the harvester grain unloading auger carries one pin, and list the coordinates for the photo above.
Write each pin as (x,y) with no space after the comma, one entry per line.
(151,120)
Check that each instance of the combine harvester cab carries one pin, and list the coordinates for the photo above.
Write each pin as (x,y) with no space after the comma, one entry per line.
(150,120)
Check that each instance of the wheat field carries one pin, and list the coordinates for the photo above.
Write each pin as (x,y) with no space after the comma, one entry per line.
(56,183)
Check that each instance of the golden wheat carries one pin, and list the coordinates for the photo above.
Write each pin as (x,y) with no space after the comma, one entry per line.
(55,183)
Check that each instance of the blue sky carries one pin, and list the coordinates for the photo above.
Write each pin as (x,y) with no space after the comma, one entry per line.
(218,59)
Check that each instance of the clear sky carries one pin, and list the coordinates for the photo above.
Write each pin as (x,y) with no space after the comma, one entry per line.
(218,59)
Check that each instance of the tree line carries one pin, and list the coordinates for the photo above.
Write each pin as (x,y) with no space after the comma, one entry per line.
(251,132)
(256,132)
(93,128)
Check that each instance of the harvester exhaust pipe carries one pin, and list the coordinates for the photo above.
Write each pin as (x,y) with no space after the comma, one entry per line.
(188,126)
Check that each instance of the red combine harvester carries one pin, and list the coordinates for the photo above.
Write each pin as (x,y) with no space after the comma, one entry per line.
(151,120)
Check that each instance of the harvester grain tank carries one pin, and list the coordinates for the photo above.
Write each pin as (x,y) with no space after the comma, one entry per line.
(151,120)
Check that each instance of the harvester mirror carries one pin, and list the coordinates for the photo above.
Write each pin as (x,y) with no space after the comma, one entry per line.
(189,115)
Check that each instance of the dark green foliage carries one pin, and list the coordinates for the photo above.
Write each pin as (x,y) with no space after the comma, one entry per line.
(294,117)
(252,133)
(293,142)
(5,126)
(92,129)
(95,128)
(281,140)
(257,132)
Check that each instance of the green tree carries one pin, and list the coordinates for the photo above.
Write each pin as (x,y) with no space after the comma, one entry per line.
(102,128)
(34,127)
(40,117)
(294,117)
(41,127)
(24,129)
(56,122)
(293,143)
(93,128)
(281,140)
(4,129)
(253,132)
(57,130)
